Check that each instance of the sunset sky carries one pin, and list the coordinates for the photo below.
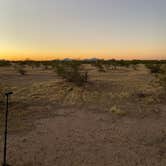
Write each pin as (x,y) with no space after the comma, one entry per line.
(50,29)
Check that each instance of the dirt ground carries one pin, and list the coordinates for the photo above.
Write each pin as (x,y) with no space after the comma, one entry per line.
(117,119)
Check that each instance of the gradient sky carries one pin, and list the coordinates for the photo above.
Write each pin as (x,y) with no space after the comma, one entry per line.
(49,29)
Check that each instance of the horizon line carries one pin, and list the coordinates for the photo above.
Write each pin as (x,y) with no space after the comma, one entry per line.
(83,59)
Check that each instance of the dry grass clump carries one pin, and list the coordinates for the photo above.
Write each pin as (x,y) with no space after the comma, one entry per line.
(52,92)
(115,110)
(149,94)
(123,94)
(60,92)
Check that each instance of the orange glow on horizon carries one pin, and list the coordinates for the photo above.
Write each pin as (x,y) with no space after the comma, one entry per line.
(74,55)
(114,53)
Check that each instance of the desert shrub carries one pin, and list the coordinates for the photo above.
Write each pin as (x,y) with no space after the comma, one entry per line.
(163,69)
(160,72)
(134,66)
(114,65)
(72,73)
(4,63)
(45,67)
(107,66)
(99,66)
(159,69)
(21,69)
(162,81)
(154,68)
(162,76)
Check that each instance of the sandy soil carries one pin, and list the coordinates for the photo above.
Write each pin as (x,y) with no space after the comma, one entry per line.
(118,119)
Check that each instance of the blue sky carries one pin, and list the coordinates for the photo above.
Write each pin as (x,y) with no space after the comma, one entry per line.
(105,28)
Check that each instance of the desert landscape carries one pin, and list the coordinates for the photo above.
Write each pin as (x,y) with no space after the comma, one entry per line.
(84,113)
(82,82)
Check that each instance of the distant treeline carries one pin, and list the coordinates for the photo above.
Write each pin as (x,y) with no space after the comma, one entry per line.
(74,71)
(90,61)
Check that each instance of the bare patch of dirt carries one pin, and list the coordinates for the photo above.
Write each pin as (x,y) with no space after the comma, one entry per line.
(81,137)
(117,119)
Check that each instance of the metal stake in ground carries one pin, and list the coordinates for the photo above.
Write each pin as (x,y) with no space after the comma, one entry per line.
(6,127)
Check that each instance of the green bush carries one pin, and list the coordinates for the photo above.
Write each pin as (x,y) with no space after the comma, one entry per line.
(72,72)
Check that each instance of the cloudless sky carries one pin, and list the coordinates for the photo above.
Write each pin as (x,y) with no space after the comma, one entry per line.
(43,29)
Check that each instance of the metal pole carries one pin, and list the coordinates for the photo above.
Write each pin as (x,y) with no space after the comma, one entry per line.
(6,127)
